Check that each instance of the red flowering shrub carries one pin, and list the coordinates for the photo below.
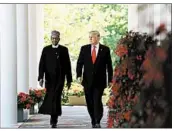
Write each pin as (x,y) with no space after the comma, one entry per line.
(142,83)
(127,74)
(37,94)
(24,101)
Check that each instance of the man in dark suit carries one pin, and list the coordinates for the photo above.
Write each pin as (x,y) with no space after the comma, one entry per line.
(55,64)
(96,60)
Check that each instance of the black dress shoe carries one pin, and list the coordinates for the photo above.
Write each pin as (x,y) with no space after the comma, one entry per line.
(97,126)
(93,126)
(54,126)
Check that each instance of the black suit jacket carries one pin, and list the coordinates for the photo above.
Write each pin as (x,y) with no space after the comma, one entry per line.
(95,74)
(55,64)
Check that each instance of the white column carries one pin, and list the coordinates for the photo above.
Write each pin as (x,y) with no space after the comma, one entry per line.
(22,51)
(169,16)
(40,32)
(0,66)
(32,46)
(162,15)
(22,48)
(146,18)
(36,40)
(132,17)
(8,69)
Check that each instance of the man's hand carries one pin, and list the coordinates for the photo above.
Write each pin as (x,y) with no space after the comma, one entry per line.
(41,82)
(68,85)
(79,80)
(110,85)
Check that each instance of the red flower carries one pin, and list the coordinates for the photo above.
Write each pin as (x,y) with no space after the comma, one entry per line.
(110,103)
(110,122)
(160,54)
(130,75)
(139,57)
(115,90)
(28,106)
(147,64)
(112,98)
(127,115)
(121,50)
(148,77)
(21,94)
(161,28)
(117,72)
(23,99)
(38,93)
(158,76)
(113,80)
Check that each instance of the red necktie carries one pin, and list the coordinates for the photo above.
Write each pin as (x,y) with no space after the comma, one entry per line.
(93,54)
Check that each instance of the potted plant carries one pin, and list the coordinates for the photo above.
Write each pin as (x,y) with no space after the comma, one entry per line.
(76,95)
(38,96)
(24,102)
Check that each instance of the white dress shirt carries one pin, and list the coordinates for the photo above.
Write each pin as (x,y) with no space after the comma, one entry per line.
(55,46)
(96,48)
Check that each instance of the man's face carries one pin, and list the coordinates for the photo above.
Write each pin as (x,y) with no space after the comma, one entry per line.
(55,39)
(94,39)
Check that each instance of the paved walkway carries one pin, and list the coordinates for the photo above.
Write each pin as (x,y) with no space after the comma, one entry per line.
(72,117)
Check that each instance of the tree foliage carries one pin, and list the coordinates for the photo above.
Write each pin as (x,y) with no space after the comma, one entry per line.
(74,21)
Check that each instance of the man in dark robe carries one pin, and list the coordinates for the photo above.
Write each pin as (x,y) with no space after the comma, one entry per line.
(55,65)
(95,59)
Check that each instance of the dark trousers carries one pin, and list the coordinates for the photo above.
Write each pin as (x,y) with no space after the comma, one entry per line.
(53,119)
(94,104)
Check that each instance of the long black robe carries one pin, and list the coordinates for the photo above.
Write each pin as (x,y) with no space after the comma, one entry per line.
(55,64)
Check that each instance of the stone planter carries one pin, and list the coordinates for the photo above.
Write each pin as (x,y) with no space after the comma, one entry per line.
(105,100)
(20,114)
(34,109)
(26,114)
(39,104)
(75,100)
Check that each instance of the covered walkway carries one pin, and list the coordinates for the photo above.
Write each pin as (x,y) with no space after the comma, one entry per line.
(72,117)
